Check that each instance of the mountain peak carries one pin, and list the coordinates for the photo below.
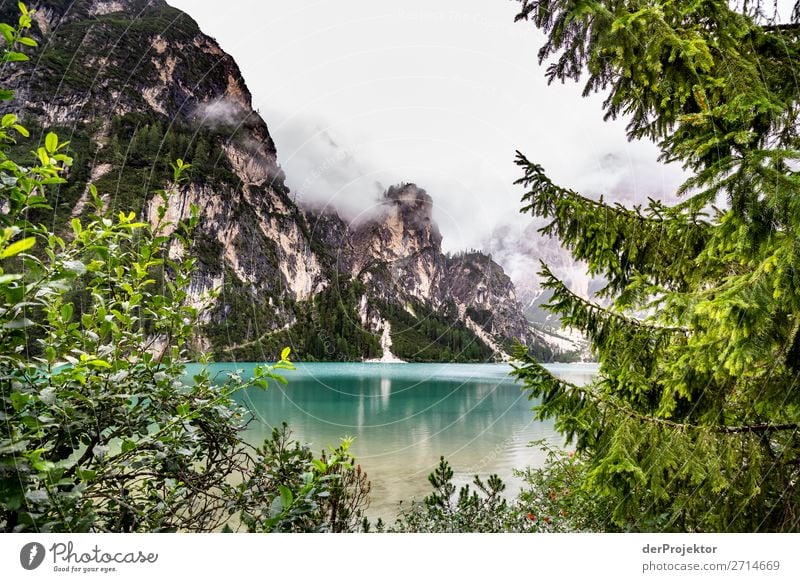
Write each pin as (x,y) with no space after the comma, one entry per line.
(414,205)
(402,226)
(139,85)
(409,194)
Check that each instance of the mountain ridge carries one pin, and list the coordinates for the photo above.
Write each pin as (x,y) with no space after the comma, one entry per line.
(135,84)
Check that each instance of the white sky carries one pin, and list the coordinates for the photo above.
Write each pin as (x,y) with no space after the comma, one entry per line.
(360,94)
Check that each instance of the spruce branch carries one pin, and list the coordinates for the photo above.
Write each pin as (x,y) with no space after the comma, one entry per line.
(548,386)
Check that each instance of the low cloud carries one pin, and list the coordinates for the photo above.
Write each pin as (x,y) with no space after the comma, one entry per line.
(354,107)
(475,205)
(329,169)
(219,112)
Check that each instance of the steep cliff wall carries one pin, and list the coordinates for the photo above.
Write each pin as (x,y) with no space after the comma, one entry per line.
(135,84)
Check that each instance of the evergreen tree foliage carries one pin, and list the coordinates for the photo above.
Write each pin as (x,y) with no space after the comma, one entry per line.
(692,422)
(550,500)
(431,337)
(327,327)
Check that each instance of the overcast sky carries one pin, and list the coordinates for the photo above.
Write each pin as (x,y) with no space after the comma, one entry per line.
(361,94)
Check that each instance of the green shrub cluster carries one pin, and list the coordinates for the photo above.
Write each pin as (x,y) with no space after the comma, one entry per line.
(553,498)
(101,430)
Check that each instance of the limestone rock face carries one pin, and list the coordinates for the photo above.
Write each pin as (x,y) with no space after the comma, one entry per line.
(134,85)
(398,254)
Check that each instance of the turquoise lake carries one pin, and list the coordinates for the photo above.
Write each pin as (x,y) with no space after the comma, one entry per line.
(404,416)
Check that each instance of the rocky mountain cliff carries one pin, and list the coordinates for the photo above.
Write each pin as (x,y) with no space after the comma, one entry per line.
(134,84)
(398,258)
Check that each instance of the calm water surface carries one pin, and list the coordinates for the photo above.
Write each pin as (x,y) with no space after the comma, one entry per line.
(404,416)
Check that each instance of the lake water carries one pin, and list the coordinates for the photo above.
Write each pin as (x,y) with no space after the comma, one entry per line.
(404,416)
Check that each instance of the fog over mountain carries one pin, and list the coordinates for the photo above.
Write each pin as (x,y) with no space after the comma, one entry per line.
(362,95)
(137,84)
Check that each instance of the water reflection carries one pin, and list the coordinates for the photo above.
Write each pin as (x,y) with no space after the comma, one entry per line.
(386,391)
(404,417)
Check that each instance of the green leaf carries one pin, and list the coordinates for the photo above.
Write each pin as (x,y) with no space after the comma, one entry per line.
(5,279)
(21,130)
(66,312)
(51,142)
(17,247)
(276,507)
(14,502)
(27,41)
(99,364)
(6,94)
(41,153)
(285,353)
(76,267)
(37,201)
(14,57)
(8,33)
(86,474)
(19,400)
(286,496)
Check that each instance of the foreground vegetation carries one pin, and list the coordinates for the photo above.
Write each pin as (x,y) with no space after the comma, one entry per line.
(693,423)
(102,430)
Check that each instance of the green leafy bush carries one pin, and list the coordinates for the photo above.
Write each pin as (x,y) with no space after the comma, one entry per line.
(100,428)
(552,499)
(292,491)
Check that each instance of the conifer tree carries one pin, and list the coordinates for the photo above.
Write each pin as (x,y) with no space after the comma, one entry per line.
(692,421)
(200,158)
